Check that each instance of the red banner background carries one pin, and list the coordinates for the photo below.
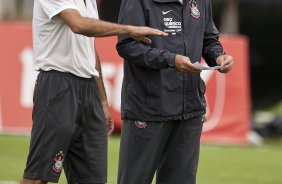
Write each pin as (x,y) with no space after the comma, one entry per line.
(227,95)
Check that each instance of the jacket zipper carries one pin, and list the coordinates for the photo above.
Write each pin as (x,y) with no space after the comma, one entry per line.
(184,46)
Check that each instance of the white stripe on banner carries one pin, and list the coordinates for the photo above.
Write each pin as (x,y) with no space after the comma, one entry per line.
(1,127)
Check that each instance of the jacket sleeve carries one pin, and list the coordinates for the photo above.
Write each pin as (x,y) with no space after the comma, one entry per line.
(212,48)
(132,13)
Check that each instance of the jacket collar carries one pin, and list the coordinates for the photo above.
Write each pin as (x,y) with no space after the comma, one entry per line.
(166,1)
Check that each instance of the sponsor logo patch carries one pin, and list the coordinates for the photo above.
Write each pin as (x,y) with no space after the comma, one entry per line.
(140,124)
(166,12)
(172,26)
(59,160)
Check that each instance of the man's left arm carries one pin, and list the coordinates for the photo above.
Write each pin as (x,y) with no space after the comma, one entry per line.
(212,49)
(103,95)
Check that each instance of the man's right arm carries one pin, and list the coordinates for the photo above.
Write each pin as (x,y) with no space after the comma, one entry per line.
(97,28)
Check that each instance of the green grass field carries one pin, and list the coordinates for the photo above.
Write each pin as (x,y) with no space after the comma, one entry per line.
(218,164)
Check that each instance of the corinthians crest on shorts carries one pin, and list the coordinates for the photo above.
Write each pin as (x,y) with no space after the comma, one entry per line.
(194,11)
(59,160)
(140,124)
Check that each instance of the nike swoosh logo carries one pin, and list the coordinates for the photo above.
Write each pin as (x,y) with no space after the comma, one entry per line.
(166,12)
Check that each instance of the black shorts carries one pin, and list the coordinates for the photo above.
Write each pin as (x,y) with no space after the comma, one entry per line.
(170,148)
(69,130)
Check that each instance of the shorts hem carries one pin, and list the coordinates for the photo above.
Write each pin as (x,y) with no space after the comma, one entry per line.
(40,177)
(92,180)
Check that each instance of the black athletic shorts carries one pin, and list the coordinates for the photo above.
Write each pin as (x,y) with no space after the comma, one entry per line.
(69,130)
(170,148)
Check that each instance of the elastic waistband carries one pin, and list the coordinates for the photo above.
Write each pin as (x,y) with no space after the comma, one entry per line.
(66,74)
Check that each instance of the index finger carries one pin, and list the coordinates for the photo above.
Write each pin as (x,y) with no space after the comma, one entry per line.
(228,59)
(146,40)
(157,32)
(226,62)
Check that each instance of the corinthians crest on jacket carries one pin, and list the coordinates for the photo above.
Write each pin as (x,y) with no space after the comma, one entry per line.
(194,9)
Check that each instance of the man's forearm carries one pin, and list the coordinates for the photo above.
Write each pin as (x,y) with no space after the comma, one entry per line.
(212,48)
(145,55)
(91,27)
(100,83)
(97,28)
(101,89)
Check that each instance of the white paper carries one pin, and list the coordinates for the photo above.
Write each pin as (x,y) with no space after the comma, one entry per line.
(202,67)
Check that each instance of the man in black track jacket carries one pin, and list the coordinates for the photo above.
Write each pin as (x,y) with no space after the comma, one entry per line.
(163,103)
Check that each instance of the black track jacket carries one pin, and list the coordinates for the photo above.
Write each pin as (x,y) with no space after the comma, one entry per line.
(152,90)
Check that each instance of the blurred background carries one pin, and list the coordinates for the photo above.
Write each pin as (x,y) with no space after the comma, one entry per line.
(259,161)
